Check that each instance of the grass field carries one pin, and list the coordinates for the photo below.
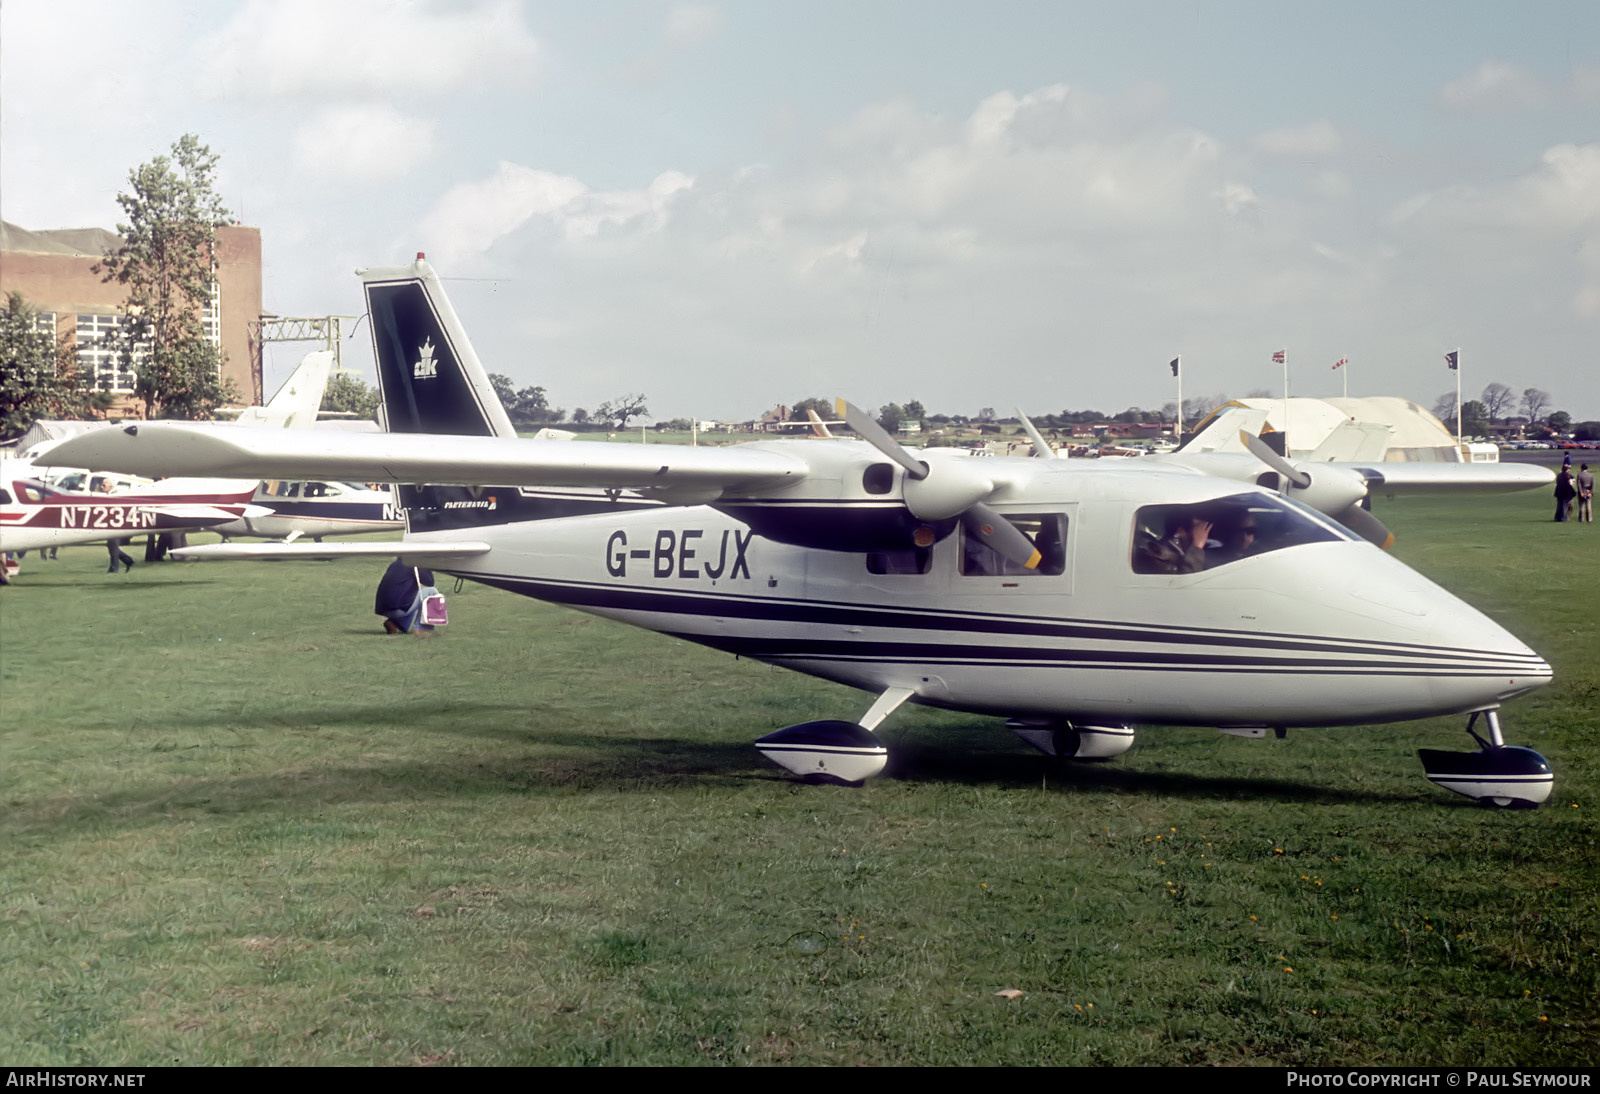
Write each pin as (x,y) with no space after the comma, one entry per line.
(242,826)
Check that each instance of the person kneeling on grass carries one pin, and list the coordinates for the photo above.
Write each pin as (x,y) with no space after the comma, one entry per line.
(400,597)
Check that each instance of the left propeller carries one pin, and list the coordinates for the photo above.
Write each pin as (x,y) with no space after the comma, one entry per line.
(1335,491)
(946,489)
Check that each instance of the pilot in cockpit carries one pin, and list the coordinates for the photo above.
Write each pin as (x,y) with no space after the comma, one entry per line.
(1181,549)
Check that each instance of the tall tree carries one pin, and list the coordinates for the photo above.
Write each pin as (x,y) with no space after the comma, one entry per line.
(1498,401)
(1535,403)
(620,409)
(347,393)
(166,261)
(37,377)
(1444,407)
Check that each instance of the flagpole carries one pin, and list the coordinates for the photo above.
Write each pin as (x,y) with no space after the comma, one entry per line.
(1285,402)
(1458,399)
(1345,369)
(1177,370)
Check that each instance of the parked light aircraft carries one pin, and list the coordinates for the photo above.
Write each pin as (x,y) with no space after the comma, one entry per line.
(34,514)
(1075,599)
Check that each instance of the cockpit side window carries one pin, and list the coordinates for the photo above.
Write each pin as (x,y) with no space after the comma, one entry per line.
(1046,531)
(1185,539)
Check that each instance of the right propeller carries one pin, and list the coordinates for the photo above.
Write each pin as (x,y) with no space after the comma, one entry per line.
(1336,491)
(937,492)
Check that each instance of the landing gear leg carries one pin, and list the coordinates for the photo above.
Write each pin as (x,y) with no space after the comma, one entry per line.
(1498,774)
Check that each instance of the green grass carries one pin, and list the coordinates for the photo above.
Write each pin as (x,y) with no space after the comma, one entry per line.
(242,826)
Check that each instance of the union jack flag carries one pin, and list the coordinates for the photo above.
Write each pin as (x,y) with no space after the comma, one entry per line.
(1278,358)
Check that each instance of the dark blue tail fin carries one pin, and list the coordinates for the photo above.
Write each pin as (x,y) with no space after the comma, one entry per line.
(431,381)
(428,374)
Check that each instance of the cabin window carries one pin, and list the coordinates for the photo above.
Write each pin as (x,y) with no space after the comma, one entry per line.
(1185,539)
(316,490)
(5,496)
(74,481)
(1046,531)
(917,560)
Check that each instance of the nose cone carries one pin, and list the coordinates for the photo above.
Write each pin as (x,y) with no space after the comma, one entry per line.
(1467,659)
(1360,638)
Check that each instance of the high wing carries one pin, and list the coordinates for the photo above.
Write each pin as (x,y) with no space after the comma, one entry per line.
(1451,478)
(180,449)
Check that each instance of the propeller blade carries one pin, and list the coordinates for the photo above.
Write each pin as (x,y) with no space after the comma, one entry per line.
(1368,527)
(1041,447)
(1001,535)
(1263,452)
(868,429)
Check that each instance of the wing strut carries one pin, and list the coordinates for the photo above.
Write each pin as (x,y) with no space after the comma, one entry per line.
(885,705)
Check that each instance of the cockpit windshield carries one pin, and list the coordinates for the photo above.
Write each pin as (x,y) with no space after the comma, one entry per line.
(1185,539)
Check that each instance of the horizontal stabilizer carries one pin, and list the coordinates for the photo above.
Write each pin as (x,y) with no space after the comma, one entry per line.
(417,554)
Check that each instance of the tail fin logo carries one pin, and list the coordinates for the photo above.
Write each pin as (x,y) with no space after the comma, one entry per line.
(426,368)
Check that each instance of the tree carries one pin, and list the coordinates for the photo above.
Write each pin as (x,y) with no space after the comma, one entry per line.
(165,259)
(1444,407)
(349,394)
(619,410)
(531,407)
(1559,421)
(1535,403)
(823,408)
(1474,417)
(1497,400)
(503,389)
(37,374)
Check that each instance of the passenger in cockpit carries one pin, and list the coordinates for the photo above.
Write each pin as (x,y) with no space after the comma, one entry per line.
(1238,539)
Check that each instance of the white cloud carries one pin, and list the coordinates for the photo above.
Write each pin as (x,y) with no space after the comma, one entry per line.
(473,216)
(1492,86)
(691,24)
(1314,141)
(1540,230)
(366,47)
(365,143)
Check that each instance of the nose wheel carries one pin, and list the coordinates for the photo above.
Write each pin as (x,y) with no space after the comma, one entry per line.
(1498,774)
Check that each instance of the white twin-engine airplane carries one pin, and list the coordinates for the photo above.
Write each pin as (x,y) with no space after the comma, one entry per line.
(1074,598)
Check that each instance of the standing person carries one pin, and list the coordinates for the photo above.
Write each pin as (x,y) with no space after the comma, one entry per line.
(1585,484)
(118,555)
(400,595)
(1565,492)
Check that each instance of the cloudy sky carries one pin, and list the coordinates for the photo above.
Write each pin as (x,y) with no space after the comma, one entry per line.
(730,205)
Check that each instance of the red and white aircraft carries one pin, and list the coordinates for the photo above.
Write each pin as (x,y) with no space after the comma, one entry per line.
(33,514)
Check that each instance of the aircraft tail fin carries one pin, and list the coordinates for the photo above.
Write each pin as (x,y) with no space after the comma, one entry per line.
(296,403)
(429,376)
(431,381)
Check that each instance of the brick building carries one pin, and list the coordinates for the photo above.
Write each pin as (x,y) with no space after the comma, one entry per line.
(54,273)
